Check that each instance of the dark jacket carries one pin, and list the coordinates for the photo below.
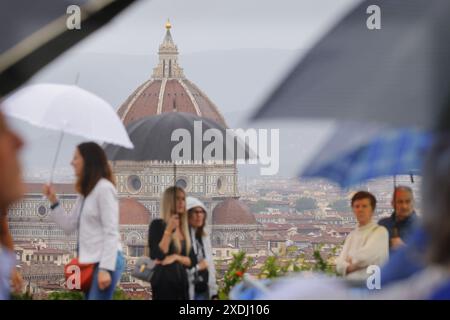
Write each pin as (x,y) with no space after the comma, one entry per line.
(169,282)
(405,228)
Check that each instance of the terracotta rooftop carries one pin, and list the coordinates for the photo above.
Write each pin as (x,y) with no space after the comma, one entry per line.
(277,226)
(301,238)
(328,240)
(307,227)
(233,211)
(133,213)
(275,237)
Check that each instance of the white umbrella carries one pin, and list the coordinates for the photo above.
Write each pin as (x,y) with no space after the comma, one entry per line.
(68,109)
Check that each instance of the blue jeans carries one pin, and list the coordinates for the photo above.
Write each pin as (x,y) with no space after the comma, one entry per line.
(201,296)
(95,293)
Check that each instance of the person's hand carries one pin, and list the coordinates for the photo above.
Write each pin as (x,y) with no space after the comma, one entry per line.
(104,279)
(16,281)
(169,259)
(351,268)
(396,243)
(174,222)
(50,193)
(202,265)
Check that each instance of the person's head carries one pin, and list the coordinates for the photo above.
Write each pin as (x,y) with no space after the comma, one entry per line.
(436,200)
(12,187)
(196,215)
(90,165)
(403,202)
(173,202)
(363,206)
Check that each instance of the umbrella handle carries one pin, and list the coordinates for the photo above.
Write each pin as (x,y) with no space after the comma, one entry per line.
(61,136)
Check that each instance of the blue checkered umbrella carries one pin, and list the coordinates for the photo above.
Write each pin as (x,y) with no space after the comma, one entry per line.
(391,153)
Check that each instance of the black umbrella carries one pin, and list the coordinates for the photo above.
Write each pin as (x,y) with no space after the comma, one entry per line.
(33,33)
(152,139)
(399,74)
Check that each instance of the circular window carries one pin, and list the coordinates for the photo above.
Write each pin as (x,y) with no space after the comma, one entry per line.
(181,183)
(42,211)
(134,183)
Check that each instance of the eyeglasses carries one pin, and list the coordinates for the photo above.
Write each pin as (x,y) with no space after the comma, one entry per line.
(199,211)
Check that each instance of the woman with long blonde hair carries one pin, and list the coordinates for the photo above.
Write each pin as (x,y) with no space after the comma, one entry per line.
(170,247)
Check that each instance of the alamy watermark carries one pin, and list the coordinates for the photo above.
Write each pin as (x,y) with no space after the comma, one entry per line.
(250,146)
(73,281)
(373,281)
(373,22)
(73,21)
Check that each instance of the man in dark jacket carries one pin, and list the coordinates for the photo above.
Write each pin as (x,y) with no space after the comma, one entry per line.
(403,221)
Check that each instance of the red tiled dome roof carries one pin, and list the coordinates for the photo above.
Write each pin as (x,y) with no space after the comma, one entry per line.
(157,96)
(232,211)
(133,213)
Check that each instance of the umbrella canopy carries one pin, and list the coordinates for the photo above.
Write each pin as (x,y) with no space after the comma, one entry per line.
(68,109)
(33,33)
(399,74)
(152,138)
(392,153)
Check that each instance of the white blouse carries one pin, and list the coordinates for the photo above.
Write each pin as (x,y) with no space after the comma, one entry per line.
(99,237)
(366,245)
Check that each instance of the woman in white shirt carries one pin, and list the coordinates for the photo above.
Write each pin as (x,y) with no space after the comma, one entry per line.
(95,216)
(367,245)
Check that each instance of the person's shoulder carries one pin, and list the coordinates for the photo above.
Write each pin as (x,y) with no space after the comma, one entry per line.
(381,230)
(206,239)
(350,235)
(105,185)
(355,230)
(414,217)
(385,221)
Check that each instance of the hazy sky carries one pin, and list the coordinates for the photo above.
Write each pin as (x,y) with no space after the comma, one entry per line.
(235,50)
(204,25)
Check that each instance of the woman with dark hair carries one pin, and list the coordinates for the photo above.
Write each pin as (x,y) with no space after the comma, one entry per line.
(203,285)
(11,190)
(170,247)
(95,216)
